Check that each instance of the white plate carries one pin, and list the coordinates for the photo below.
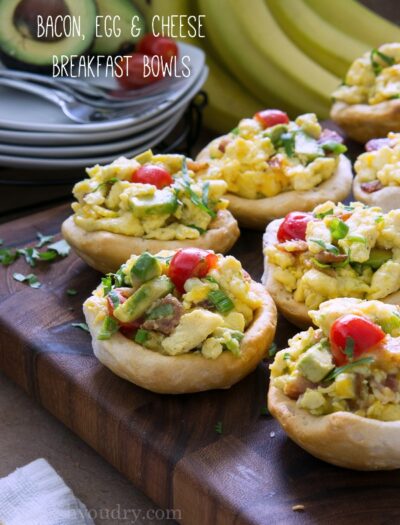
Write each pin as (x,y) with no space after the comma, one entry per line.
(23,111)
(71,152)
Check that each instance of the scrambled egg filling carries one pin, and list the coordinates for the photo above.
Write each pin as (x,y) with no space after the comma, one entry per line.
(382,164)
(192,321)
(372,78)
(349,251)
(367,386)
(109,201)
(257,162)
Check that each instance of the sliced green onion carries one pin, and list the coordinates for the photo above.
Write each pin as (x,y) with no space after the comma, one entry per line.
(221,301)
(326,246)
(109,327)
(338,228)
(334,147)
(356,238)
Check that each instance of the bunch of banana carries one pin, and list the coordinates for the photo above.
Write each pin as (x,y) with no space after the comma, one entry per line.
(289,54)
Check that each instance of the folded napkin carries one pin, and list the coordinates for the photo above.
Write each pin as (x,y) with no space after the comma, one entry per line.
(36,495)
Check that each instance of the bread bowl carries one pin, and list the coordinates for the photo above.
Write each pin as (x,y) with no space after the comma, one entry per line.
(147,203)
(347,414)
(364,263)
(367,104)
(268,178)
(219,325)
(376,181)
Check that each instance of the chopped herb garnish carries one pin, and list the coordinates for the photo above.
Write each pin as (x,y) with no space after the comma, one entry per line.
(221,301)
(356,238)
(102,184)
(218,427)
(82,326)
(326,246)
(30,255)
(272,350)
(108,328)
(7,256)
(206,188)
(338,228)
(235,131)
(192,195)
(319,264)
(286,356)
(334,147)
(107,283)
(141,336)
(349,347)
(114,298)
(264,411)
(43,239)
(379,219)
(341,369)
(61,247)
(49,255)
(288,143)
(30,279)
(324,214)
(375,65)
(200,230)
(72,291)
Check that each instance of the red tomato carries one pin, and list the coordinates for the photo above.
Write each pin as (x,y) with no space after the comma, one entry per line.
(121,296)
(294,226)
(157,45)
(152,174)
(133,72)
(190,262)
(364,333)
(271,117)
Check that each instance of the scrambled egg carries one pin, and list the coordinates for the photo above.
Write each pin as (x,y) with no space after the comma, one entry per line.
(202,327)
(382,164)
(372,78)
(351,251)
(109,201)
(369,388)
(257,162)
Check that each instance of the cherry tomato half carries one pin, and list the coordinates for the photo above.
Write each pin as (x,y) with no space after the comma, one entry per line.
(152,174)
(190,262)
(271,117)
(134,71)
(294,226)
(362,331)
(157,45)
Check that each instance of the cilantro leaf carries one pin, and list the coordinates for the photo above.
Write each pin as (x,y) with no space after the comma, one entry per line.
(30,254)
(235,131)
(30,279)
(272,350)
(192,195)
(341,369)
(72,292)
(375,65)
(61,247)
(43,239)
(7,256)
(218,427)
(326,246)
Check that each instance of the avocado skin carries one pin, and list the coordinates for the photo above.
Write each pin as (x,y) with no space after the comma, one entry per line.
(138,303)
(47,66)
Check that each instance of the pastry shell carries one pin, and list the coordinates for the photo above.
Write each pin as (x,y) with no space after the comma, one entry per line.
(256,213)
(295,312)
(188,372)
(341,438)
(106,251)
(387,198)
(363,122)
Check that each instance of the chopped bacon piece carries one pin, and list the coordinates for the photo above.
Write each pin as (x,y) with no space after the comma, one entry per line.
(222,145)
(329,135)
(371,187)
(375,144)
(328,257)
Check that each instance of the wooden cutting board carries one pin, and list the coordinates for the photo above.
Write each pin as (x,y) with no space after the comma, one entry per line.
(168,445)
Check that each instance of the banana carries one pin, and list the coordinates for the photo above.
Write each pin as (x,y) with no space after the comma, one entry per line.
(356,20)
(322,42)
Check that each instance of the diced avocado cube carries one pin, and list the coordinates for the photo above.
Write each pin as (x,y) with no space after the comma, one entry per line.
(144,157)
(161,202)
(146,267)
(377,257)
(315,363)
(275,133)
(306,146)
(138,303)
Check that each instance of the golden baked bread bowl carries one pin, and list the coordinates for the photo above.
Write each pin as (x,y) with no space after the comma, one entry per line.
(147,203)
(366,105)
(272,169)
(335,390)
(377,180)
(178,322)
(356,254)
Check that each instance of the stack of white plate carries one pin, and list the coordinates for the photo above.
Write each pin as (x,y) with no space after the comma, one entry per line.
(36,134)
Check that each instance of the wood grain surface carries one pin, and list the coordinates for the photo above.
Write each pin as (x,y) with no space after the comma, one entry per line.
(167,445)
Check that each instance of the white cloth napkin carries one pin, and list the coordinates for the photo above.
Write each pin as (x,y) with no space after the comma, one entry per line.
(36,495)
